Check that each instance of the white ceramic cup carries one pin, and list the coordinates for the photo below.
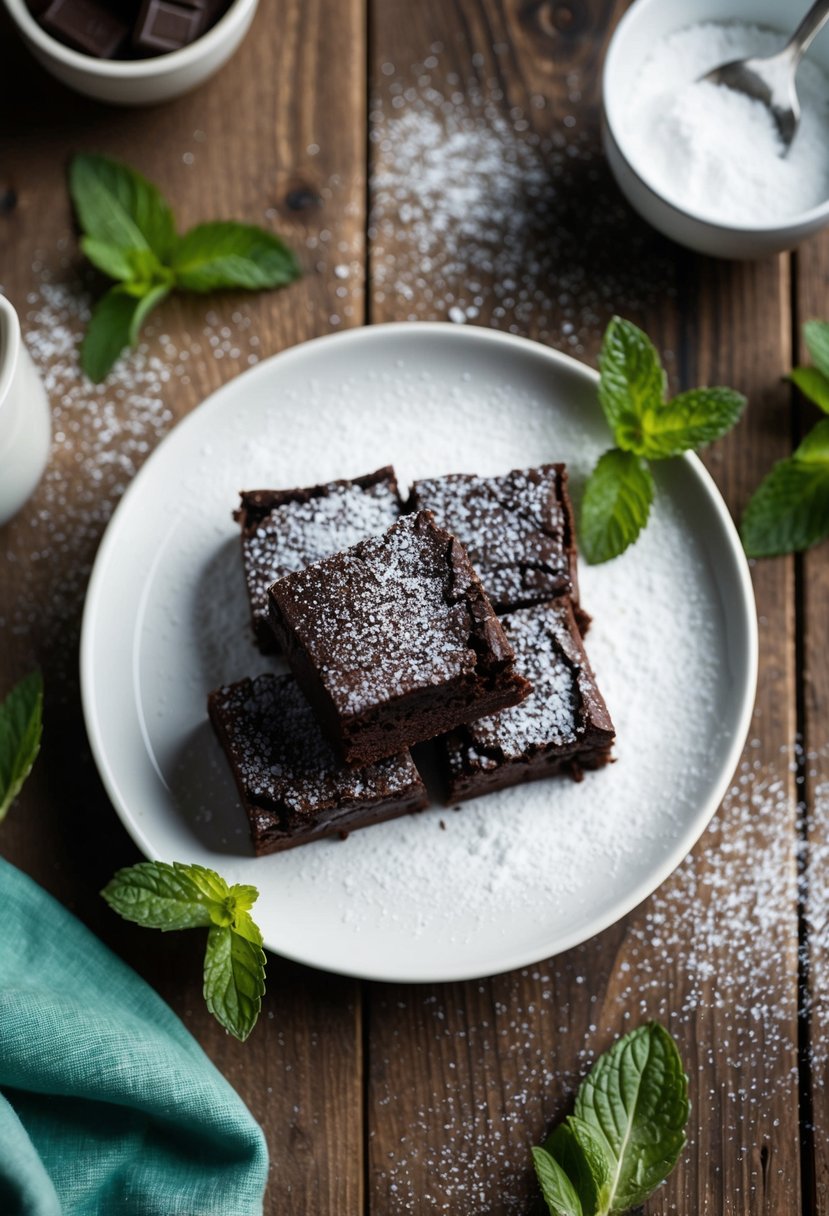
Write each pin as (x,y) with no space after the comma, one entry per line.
(643,25)
(25,426)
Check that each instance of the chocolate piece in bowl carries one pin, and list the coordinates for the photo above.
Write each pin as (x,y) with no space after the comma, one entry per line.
(517,529)
(563,726)
(394,641)
(167,25)
(292,786)
(86,26)
(286,530)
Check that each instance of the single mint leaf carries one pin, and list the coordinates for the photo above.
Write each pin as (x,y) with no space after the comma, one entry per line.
(246,927)
(117,206)
(144,307)
(557,1189)
(816,336)
(21,726)
(789,510)
(109,331)
(565,1148)
(617,501)
(688,421)
(636,1098)
(234,980)
(226,254)
(111,259)
(582,1152)
(812,384)
(631,380)
(160,895)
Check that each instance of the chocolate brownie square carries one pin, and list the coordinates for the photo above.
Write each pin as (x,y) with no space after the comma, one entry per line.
(563,726)
(394,640)
(517,529)
(286,530)
(292,786)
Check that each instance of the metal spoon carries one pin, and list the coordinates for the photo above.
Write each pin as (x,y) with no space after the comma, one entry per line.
(771,79)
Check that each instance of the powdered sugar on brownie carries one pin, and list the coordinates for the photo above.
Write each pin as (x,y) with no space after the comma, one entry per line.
(282,758)
(517,530)
(553,715)
(299,532)
(391,616)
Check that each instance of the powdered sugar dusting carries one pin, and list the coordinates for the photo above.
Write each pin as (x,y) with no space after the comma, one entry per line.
(297,533)
(515,528)
(477,216)
(287,767)
(388,618)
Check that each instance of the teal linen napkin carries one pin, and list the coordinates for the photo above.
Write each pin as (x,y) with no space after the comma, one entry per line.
(107,1104)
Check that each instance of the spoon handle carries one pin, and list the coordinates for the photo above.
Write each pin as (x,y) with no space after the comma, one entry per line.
(810,26)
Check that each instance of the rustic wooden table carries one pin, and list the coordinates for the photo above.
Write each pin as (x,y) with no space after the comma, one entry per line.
(431,160)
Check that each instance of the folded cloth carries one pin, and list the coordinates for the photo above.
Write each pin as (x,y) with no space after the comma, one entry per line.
(107,1104)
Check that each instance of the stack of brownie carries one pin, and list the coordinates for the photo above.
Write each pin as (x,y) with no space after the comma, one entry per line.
(453,617)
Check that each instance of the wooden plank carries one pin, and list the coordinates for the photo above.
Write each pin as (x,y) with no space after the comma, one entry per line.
(812,300)
(278,138)
(492,205)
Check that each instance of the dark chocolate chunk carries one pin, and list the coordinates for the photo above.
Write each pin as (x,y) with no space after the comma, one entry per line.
(86,26)
(167,25)
(292,786)
(517,529)
(562,726)
(286,530)
(394,640)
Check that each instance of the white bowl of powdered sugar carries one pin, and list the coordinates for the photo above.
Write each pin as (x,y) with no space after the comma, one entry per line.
(701,162)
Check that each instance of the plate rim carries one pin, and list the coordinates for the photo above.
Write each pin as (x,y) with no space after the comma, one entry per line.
(696,825)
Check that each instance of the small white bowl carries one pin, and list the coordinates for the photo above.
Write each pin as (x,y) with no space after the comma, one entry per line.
(645,24)
(137,82)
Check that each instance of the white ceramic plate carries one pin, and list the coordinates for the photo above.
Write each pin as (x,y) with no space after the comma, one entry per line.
(511,878)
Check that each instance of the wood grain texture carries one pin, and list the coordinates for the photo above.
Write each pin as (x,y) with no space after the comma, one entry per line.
(812,300)
(533,237)
(277,138)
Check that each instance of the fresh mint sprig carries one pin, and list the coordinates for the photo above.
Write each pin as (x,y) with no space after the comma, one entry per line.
(161,895)
(626,1132)
(646,427)
(130,236)
(21,727)
(789,510)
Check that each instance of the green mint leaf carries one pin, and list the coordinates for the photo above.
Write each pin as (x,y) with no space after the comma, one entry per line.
(21,726)
(160,895)
(636,1098)
(812,384)
(557,1189)
(631,380)
(111,259)
(234,980)
(226,254)
(617,501)
(108,332)
(117,206)
(816,336)
(246,927)
(789,510)
(582,1153)
(688,421)
(144,307)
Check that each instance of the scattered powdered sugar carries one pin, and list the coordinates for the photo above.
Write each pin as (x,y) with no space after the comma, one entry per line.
(515,529)
(714,150)
(101,435)
(476,215)
(689,958)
